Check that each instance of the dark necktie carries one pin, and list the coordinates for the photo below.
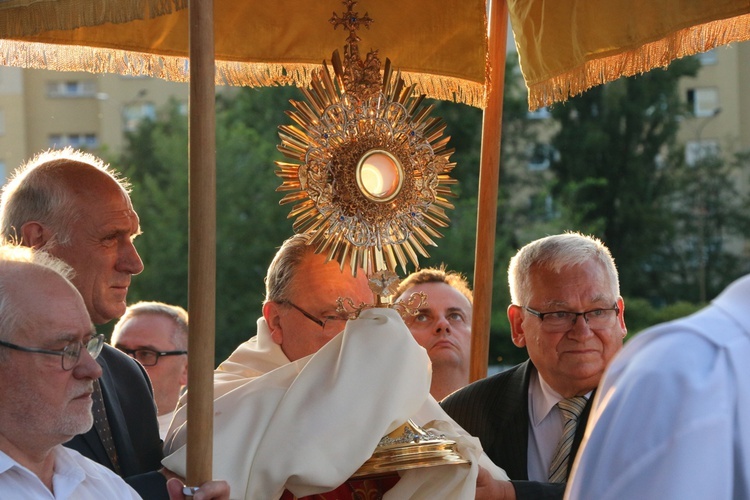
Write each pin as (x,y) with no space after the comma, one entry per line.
(571,409)
(102,425)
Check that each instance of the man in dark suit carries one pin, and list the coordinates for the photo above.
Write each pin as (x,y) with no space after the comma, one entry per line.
(567,312)
(78,209)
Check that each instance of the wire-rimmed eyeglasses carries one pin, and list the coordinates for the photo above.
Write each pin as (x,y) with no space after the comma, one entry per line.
(70,354)
(556,321)
(330,324)
(148,357)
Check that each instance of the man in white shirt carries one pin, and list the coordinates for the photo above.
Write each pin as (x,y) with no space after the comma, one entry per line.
(301,406)
(48,351)
(156,335)
(48,347)
(567,312)
(671,419)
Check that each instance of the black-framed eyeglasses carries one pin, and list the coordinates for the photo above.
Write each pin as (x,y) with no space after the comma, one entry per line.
(70,354)
(148,357)
(329,324)
(556,321)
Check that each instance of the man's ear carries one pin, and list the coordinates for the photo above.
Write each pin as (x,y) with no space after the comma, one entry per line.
(184,376)
(515,317)
(621,319)
(34,235)
(271,313)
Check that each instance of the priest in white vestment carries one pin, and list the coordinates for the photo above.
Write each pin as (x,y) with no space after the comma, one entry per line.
(300,407)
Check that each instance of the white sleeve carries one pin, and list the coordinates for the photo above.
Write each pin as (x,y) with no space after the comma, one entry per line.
(661,424)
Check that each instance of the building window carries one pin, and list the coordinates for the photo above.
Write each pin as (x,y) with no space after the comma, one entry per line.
(696,151)
(133,114)
(703,101)
(71,89)
(83,141)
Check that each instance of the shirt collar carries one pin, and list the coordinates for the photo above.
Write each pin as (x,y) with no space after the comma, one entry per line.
(543,398)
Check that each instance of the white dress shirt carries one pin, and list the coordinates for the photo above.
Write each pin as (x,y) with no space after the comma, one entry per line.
(671,420)
(546,424)
(164,421)
(75,478)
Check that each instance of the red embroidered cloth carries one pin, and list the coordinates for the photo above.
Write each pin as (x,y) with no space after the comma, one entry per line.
(354,489)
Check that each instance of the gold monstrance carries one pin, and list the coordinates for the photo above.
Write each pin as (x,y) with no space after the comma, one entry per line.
(370,182)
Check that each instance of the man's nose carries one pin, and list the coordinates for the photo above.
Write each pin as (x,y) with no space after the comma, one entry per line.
(442,325)
(580,326)
(129,261)
(87,367)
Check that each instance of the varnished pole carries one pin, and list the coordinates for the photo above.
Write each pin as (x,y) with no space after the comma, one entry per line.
(202,242)
(489,178)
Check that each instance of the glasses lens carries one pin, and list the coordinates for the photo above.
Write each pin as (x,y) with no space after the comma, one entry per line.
(601,318)
(94,345)
(556,321)
(70,355)
(146,357)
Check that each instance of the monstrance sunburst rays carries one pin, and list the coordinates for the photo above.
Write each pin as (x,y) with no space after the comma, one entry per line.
(370,178)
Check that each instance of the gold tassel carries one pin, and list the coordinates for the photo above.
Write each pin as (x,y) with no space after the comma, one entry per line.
(682,43)
(173,68)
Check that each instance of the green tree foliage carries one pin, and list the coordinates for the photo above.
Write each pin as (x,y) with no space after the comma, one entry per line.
(610,180)
(640,313)
(711,217)
(250,223)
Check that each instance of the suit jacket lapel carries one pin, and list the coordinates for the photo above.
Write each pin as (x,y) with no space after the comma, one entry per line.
(120,434)
(512,417)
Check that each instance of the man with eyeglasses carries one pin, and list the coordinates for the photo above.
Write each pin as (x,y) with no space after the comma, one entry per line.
(156,335)
(303,404)
(442,325)
(48,352)
(48,347)
(567,312)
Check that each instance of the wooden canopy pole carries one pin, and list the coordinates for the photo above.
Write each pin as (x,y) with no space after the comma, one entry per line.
(202,242)
(489,178)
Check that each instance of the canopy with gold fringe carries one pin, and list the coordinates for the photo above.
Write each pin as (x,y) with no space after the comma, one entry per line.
(441,48)
(566,47)
(28,17)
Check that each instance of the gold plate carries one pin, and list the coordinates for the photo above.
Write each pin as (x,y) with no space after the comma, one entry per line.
(410,447)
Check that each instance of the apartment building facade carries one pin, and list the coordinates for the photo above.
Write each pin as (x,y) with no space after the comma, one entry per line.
(41,109)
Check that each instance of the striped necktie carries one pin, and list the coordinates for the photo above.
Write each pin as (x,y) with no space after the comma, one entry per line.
(101,424)
(571,409)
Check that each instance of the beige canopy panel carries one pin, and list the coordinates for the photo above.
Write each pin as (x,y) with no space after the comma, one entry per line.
(441,46)
(568,46)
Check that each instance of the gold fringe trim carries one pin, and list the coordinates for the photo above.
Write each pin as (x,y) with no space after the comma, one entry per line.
(685,42)
(18,18)
(173,68)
